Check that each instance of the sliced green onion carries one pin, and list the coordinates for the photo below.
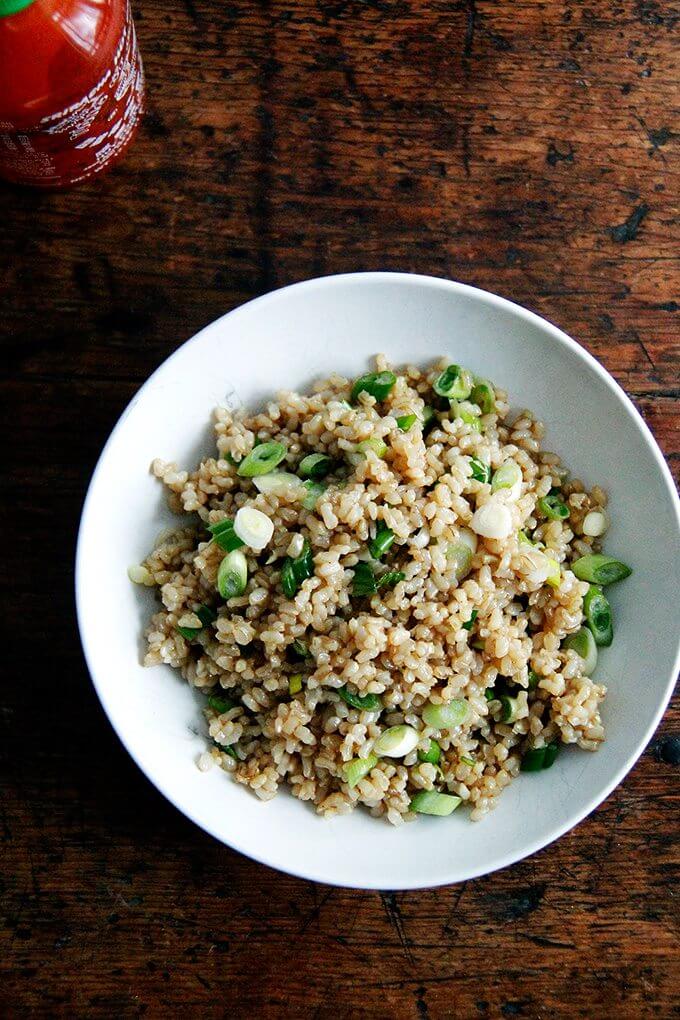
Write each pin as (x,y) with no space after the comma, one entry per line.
(430,802)
(289,583)
(295,683)
(473,617)
(490,694)
(595,523)
(224,535)
(481,472)
(550,755)
(357,768)
(372,445)
(533,759)
(282,484)
(523,539)
(433,753)
(454,382)
(598,614)
(553,507)
(468,413)
(599,569)
(261,460)
(300,649)
(492,520)
(303,565)
(314,490)
(583,643)
(230,750)
(507,476)
(364,702)
(483,395)
(220,705)
(429,417)
(396,742)
(232,575)
(315,465)
(253,527)
(459,555)
(390,579)
(446,717)
(406,421)
(555,575)
(363,582)
(533,680)
(509,709)
(295,571)
(384,537)
(376,384)
(467,761)
(206,615)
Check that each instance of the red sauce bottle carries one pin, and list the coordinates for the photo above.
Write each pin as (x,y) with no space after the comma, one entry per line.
(71,88)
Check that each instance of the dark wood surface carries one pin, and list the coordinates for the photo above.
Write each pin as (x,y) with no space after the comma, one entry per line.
(527,147)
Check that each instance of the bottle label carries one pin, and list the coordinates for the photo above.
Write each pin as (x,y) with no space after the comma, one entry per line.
(73,144)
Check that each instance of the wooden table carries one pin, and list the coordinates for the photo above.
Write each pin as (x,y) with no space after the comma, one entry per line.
(525,147)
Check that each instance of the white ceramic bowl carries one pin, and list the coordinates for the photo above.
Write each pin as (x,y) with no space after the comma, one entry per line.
(286,340)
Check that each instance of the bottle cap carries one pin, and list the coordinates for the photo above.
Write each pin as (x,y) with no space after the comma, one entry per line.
(13,6)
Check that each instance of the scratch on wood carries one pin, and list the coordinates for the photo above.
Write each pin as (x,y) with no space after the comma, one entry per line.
(628,230)
(389,902)
(470,27)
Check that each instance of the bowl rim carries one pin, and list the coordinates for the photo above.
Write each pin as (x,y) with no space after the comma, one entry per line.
(501,860)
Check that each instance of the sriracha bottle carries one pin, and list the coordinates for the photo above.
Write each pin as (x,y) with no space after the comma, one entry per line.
(71,88)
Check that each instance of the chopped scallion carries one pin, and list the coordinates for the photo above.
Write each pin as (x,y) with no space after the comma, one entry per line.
(232,575)
(376,384)
(467,761)
(253,527)
(314,490)
(483,395)
(509,709)
(355,770)
(598,614)
(507,476)
(295,571)
(583,643)
(206,615)
(446,716)
(224,535)
(390,579)
(220,704)
(396,742)
(384,537)
(473,617)
(261,460)
(468,414)
(553,507)
(315,465)
(295,683)
(533,680)
(433,753)
(455,383)
(599,569)
(406,421)
(537,758)
(364,702)
(431,802)
(372,445)
(363,582)
(481,472)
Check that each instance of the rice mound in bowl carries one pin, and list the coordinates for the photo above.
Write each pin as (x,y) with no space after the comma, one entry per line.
(418,653)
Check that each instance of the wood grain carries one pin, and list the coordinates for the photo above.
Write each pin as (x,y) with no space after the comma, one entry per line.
(529,148)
